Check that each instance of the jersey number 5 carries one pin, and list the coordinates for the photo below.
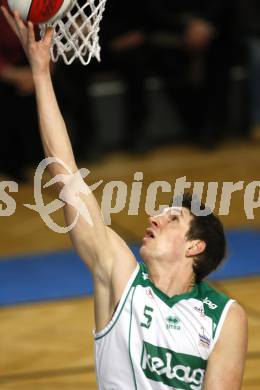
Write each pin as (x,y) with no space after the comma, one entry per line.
(148,318)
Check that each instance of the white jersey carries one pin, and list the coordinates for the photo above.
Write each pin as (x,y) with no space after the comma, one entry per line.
(158,342)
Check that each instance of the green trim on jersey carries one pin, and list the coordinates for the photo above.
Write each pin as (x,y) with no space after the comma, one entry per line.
(214,303)
(170,301)
(129,337)
(117,317)
(143,279)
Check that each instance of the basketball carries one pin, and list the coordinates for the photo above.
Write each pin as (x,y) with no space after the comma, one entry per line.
(40,11)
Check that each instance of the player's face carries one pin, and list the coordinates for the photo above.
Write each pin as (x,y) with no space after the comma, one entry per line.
(166,235)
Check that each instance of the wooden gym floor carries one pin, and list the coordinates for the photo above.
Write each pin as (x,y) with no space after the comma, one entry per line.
(49,345)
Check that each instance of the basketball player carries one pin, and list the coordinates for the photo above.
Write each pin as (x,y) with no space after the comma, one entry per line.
(158,325)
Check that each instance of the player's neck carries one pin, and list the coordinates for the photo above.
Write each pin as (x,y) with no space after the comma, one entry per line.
(176,281)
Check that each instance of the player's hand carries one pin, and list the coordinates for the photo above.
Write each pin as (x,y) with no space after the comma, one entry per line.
(38,52)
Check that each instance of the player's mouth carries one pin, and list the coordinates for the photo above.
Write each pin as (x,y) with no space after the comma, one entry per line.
(149,234)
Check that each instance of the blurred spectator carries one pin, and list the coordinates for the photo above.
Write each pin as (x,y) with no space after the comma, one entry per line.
(191,52)
(249,23)
(124,50)
(20,144)
(71,87)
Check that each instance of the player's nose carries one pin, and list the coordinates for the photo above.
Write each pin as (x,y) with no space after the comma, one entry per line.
(155,221)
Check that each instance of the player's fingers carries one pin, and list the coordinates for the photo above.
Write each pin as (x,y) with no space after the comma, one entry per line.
(48,36)
(10,20)
(22,29)
(19,22)
(31,34)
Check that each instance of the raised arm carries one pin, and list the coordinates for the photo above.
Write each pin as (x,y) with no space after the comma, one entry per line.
(105,253)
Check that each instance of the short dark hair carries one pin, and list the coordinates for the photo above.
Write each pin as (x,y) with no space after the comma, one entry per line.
(210,230)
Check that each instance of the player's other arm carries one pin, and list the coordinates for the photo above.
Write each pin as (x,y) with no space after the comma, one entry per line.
(226,363)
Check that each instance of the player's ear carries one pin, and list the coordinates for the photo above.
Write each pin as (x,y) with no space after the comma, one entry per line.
(195,247)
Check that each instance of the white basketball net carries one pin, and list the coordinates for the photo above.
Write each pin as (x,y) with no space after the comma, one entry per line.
(76,34)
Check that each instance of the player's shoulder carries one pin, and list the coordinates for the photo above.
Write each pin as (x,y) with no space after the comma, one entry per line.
(235,328)
(237,314)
